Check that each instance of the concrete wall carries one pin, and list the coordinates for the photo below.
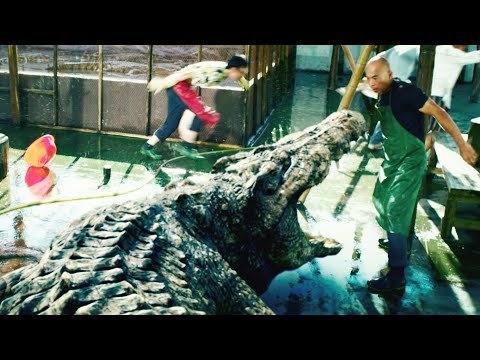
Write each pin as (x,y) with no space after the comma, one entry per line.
(314,57)
(318,57)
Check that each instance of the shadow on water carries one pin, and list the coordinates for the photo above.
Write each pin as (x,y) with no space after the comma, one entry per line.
(351,188)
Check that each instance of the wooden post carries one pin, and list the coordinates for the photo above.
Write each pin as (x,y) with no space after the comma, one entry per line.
(381,48)
(149,94)
(13,74)
(246,96)
(280,72)
(474,134)
(332,80)
(276,83)
(100,88)
(352,86)
(271,86)
(266,50)
(252,74)
(293,64)
(200,58)
(55,85)
(200,53)
(259,87)
(286,67)
(3,156)
(476,82)
(426,62)
(356,77)
(449,217)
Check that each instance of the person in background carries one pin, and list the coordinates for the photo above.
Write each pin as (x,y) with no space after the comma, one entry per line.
(183,98)
(449,62)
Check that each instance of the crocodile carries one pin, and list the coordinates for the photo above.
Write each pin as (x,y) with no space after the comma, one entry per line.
(209,244)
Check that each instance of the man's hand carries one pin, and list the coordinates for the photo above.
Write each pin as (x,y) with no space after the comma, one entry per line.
(468,154)
(244,83)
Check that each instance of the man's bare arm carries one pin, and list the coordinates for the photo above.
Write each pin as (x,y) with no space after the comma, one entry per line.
(466,151)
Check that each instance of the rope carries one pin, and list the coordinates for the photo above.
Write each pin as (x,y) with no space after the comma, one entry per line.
(27,205)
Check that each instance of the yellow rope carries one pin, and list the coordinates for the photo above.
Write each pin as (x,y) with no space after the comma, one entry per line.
(23,206)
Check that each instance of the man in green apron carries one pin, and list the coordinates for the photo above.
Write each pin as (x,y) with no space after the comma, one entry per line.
(401,107)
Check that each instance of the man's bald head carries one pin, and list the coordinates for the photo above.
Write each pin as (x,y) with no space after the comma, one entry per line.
(379,75)
(379,62)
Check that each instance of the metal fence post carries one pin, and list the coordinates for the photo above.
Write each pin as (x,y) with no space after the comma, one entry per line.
(100,88)
(55,85)
(149,94)
(13,75)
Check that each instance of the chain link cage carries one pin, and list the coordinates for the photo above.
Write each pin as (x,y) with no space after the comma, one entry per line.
(103,87)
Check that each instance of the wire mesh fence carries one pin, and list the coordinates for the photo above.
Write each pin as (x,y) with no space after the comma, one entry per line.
(78,77)
(103,87)
(124,103)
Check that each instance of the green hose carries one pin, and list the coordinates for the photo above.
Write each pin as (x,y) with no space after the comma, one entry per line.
(23,206)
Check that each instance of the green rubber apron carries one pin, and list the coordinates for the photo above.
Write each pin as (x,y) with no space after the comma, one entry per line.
(400,175)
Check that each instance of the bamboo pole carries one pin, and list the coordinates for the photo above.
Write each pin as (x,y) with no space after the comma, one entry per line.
(352,86)
(100,88)
(350,60)
(332,81)
(356,77)
(426,63)
(476,82)
(13,72)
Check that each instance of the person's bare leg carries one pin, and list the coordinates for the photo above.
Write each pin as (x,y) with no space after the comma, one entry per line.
(153,140)
(184,127)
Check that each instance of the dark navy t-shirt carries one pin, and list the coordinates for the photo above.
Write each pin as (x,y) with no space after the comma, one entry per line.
(407,99)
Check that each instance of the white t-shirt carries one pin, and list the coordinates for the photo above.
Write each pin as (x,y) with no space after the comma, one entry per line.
(403,60)
(449,62)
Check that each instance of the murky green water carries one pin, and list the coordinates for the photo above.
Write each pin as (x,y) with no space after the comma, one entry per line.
(75,172)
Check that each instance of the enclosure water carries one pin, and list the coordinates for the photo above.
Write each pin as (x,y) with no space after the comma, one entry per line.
(76,171)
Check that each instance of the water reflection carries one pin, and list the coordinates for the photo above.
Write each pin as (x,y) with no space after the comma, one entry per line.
(19,227)
(40,180)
